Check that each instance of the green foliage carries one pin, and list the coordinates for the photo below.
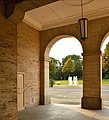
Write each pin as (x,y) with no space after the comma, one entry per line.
(78,64)
(74,57)
(105,81)
(51,82)
(58,82)
(53,67)
(56,68)
(105,62)
(61,82)
(52,64)
(66,82)
(69,66)
(105,58)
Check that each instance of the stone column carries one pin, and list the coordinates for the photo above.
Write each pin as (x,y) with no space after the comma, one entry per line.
(92,80)
(42,96)
(44,81)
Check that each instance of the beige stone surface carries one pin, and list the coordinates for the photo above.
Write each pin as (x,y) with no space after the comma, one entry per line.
(63,112)
(91,52)
(28,62)
(8,81)
(24,49)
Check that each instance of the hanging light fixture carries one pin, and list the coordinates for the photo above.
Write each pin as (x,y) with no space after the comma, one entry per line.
(83,25)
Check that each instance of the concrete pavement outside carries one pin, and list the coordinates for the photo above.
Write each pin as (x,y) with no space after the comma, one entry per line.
(62,94)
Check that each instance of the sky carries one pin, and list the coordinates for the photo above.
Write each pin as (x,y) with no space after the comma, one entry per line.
(64,47)
(69,46)
(104,44)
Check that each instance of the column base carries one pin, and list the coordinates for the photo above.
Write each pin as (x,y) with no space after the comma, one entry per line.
(44,100)
(94,103)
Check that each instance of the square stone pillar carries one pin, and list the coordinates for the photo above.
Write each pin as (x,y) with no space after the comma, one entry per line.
(92,81)
(44,81)
(42,95)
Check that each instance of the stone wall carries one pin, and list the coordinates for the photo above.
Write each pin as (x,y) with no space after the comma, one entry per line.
(97,29)
(28,62)
(27,50)
(8,81)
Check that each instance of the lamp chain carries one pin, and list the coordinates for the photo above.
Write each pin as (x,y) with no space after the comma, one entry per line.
(81,8)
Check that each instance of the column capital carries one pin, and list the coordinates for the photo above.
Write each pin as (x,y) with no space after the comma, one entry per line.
(91,53)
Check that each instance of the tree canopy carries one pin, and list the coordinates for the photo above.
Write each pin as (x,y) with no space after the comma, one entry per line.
(105,62)
(73,64)
(53,65)
(105,58)
(69,66)
(78,64)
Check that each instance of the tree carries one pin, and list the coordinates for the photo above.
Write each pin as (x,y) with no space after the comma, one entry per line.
(69,66)
(66,58)
(53,67)
(56,68)
(105,58)
(78,64)
(105,62)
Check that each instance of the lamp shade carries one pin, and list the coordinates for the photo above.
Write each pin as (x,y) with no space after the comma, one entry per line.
(83,26)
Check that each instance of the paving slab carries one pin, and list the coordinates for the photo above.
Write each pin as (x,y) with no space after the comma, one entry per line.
(62,112)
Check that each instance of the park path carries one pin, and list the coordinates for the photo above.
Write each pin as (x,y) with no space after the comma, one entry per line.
(73,94)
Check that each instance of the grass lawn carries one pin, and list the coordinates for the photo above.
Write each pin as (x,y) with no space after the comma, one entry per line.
(105,82)
(65,82)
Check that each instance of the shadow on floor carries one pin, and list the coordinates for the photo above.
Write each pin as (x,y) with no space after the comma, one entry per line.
(62,112)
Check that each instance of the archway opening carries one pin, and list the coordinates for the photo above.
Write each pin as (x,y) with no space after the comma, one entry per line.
(105,70)
(65,71)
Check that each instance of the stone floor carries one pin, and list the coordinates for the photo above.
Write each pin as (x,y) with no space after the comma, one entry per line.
(62,112)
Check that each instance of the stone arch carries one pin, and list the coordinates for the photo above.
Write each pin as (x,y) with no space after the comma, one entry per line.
(104,38)
(101,45)
(52,42)
(46,64)
(45,40)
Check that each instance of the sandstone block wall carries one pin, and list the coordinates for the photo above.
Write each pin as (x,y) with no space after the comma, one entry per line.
(21,50)
(28,62)
(8,60)
(97,29)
